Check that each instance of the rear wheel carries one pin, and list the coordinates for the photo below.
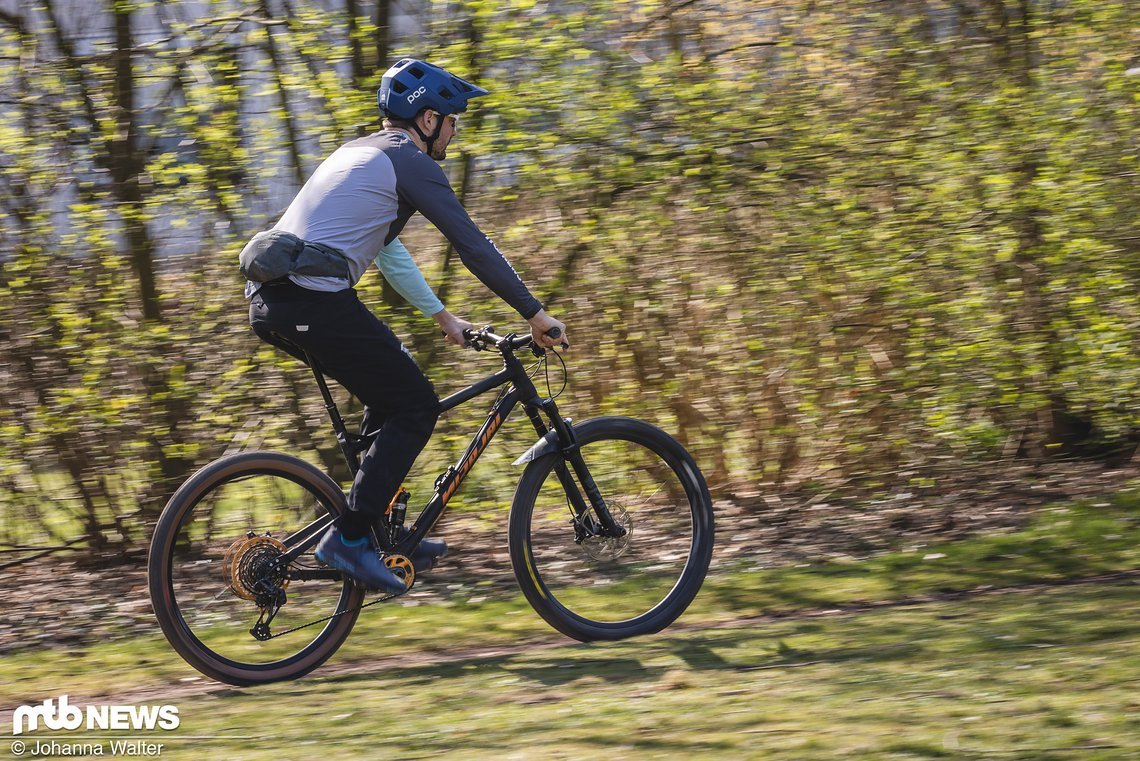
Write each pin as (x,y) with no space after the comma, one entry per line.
(593,587)
(223,598)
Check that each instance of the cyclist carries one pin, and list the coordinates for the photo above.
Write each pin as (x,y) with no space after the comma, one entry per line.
(350,213)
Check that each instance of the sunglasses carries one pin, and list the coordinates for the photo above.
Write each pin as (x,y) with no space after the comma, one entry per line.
(453,117)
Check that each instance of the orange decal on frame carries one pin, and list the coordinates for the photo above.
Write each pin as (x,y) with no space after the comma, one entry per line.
(469,461)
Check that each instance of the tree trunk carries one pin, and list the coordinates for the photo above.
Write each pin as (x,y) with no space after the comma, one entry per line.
(466,166)
(291,140)
(352,14)
(383,33)
(1033,325)
(126,164)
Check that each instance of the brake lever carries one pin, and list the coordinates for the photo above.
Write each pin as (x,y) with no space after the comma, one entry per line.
(555,333)
(540,351)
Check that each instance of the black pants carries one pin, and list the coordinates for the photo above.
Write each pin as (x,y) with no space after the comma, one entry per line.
(351,345)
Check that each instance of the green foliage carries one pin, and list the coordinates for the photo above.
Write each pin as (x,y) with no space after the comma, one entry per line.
(822,243)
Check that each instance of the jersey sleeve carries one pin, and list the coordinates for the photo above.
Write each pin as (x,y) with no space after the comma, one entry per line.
(398,268)
(424,185)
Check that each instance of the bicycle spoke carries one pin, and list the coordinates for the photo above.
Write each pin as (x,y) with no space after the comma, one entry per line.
(614,578)
(222,581)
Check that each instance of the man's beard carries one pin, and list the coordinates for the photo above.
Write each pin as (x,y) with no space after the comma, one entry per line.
(439,154)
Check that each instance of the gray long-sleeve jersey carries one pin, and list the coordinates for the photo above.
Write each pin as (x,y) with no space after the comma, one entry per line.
(361,197)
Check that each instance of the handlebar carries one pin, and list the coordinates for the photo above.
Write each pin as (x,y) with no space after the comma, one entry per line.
(481,340)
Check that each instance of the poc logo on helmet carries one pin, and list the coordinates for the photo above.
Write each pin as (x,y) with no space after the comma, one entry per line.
(416,94)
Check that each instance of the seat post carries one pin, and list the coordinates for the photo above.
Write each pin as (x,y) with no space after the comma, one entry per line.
(347,447)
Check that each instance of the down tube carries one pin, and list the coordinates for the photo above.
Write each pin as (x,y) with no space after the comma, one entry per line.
(453,479)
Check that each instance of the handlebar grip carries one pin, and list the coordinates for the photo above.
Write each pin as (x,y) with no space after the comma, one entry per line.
(555,332)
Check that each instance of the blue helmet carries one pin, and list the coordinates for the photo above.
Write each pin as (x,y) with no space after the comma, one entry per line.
(413,85)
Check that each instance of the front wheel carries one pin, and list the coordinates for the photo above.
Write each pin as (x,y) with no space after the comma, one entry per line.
(591,586)
(223,592)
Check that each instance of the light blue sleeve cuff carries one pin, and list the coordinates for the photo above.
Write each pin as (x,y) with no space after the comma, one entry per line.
(398,268)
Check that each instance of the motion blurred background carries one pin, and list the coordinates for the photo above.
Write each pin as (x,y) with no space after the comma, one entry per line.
(874,262)
(855,250)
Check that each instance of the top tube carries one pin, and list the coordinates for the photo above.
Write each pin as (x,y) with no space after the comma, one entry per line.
(459,397)
(484,340)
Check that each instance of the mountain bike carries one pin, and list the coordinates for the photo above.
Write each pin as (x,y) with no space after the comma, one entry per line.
(610,534)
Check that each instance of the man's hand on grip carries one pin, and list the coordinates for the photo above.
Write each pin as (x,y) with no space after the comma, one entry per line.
(541,326)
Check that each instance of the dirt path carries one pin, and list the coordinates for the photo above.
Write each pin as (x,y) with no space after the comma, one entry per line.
(60,602)
(171,692)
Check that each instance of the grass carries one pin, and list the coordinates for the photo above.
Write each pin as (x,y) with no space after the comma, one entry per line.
(1038,672)
(1034,675)
(1047,672)
(1062,542)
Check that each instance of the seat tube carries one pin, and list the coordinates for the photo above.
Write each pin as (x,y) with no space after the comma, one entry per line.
(341,430)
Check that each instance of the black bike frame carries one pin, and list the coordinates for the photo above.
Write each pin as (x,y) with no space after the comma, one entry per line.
(522,390)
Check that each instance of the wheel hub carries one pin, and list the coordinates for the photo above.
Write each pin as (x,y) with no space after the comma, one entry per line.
(252,572)
(601,548)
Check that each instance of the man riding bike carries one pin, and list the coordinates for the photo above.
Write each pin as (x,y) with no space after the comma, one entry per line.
(302,272)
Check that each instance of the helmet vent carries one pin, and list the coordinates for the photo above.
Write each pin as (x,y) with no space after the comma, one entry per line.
(416,72)
(446,93)
(398,87)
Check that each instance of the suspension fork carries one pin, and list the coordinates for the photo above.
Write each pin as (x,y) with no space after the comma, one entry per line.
(571,453)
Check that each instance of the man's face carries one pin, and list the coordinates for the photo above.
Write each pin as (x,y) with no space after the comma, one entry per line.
(446,132)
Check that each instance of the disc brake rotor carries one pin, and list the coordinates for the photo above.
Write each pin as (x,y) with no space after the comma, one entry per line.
(610,547)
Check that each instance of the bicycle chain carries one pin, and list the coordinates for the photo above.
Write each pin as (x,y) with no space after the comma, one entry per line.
(334,615)
(392,561)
